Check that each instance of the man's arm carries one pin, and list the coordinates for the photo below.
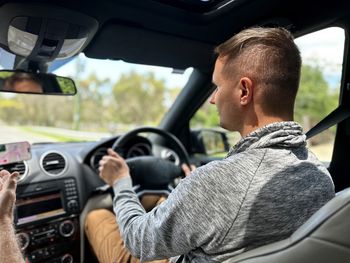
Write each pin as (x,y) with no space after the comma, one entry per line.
(193,216)
(9,249)
(175,227)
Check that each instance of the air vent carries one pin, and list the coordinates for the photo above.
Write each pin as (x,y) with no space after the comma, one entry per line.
(96,157)
(20,167)
(53,163)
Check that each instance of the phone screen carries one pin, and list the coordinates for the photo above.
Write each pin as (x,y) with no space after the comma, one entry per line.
(14,152)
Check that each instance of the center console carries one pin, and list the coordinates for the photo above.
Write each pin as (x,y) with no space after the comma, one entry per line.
(47,221)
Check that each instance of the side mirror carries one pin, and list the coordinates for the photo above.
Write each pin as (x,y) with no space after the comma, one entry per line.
(209,142)
(35,83)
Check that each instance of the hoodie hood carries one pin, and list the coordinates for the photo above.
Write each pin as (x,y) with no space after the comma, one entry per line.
(287,134)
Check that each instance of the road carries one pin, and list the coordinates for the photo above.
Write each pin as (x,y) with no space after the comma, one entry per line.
(11,134)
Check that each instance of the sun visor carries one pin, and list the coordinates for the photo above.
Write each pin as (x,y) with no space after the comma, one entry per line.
(135,45)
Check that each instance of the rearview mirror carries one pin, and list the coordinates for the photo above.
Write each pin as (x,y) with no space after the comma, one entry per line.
(35,83)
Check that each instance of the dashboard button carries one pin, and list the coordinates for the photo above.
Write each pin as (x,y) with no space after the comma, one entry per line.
(24,240)
(67,228)
(67,258)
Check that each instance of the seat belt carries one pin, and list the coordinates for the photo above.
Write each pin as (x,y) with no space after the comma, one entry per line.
(339,114)
(180,259)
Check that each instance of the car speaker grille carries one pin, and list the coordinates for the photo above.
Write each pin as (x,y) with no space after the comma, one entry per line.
(20,167)
(53,163)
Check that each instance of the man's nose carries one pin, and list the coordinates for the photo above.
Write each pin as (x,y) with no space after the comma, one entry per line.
(212,97)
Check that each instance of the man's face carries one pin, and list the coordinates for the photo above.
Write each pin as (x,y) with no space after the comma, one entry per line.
(226,97)
(28,86)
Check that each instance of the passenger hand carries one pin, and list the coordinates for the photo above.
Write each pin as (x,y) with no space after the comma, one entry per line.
(187,170)
(8,184)
(113,167)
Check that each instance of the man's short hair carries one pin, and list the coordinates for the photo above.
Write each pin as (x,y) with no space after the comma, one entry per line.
(270,58)
(19,77)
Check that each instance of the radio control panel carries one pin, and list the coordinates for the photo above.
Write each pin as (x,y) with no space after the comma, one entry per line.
(52,240)
(45,201)
(47,221)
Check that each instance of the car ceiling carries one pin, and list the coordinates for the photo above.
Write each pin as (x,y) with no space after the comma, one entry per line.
(171,33)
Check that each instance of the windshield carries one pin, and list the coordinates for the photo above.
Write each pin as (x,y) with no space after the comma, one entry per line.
(113,97)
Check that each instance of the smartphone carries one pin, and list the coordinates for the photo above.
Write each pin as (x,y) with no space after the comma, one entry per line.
(14,152)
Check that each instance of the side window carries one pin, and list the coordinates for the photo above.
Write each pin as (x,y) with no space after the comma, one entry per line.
(318,95)
(207,119)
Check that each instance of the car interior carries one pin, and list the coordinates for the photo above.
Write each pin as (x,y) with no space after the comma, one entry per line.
(60,184)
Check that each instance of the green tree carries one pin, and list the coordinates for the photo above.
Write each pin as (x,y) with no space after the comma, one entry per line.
(41,110)
(79,69)
(10,109)
(207,116)
(315,98)
(96,112)
(141,97)
(66,85)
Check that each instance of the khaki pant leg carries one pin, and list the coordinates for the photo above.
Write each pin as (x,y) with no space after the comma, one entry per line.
(150,201)
(105,239)
(103,234)
(161,200)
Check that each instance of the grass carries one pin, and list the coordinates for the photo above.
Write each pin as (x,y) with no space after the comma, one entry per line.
(56,137)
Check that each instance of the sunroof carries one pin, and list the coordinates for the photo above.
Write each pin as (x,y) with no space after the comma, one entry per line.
(197,5)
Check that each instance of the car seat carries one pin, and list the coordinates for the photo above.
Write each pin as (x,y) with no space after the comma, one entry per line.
(324,238)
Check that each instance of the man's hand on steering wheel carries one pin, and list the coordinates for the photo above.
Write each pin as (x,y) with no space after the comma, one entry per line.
(113,167)
(188,169)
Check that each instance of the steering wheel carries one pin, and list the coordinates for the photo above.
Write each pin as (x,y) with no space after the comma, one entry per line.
(150,172)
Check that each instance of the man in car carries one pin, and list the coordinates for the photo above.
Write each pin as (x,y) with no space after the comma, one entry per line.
(22,82)
(268,185)
(9,249)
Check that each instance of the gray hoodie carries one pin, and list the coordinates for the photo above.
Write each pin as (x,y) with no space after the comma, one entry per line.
(267,186)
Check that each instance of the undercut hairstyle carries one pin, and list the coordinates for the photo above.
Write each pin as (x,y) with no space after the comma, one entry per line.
(271,59)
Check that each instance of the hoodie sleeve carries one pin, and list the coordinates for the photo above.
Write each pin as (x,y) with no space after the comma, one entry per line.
(191,217)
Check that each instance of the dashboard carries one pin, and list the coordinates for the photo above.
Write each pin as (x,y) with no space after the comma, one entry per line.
(54,187)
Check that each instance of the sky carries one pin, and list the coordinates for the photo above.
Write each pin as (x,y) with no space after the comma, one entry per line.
(327,43)
(326,47)
(113,69)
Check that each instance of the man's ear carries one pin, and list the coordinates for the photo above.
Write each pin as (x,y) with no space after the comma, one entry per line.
(246,87)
